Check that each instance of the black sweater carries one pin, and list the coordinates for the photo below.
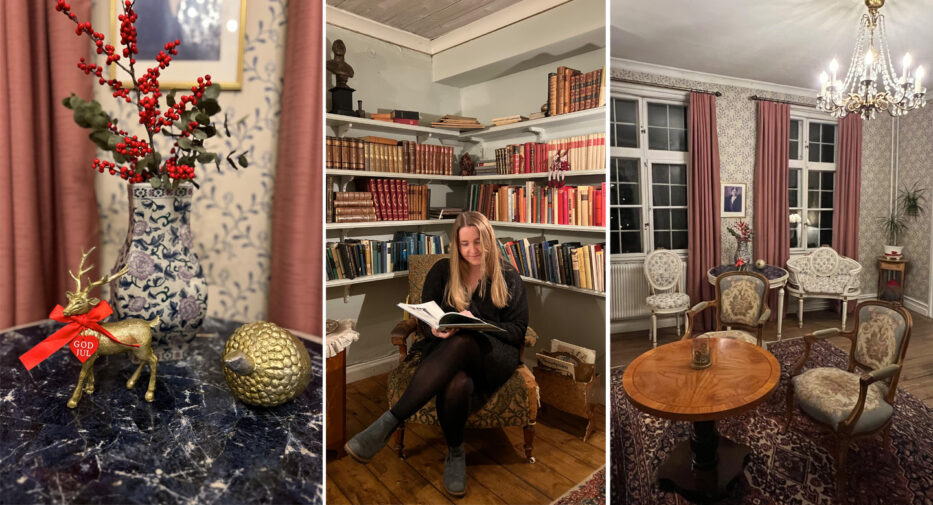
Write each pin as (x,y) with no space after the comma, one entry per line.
(501,351)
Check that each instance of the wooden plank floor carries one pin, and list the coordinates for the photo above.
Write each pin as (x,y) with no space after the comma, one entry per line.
(916,378)
(497,472)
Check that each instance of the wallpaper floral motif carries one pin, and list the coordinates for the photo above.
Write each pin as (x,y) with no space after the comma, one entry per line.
(736,120)
(231,215)
(915,165)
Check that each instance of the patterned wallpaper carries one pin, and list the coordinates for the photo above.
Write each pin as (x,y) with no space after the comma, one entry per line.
(231,214)
(915,165)
(736,120)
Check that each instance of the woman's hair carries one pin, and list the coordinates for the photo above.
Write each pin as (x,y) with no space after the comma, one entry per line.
(457,295)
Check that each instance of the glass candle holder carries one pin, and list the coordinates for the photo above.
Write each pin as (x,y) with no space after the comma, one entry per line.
(701,353)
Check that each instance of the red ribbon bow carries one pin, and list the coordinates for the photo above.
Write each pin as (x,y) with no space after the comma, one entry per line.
(76,324)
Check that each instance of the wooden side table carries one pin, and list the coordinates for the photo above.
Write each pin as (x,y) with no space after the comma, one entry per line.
(340,334)
(892,270)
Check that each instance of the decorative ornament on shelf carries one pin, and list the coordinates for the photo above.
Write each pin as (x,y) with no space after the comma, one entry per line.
(743,238)
(157,251)
(871,83)
(760,264)
(341,95)
(85,336)
(266,365)
(467,165)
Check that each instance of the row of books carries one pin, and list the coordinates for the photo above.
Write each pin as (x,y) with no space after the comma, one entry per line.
(570,90)
(352,258)
(383,200)
(378,154)
(568,264)
(534,203)
(582,152)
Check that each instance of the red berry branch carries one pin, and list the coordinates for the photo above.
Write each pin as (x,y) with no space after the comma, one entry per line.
(187,119)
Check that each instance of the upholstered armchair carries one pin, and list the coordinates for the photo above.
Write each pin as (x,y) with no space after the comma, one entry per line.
(514,404)
(859,401)
(662,269)
(823,274)
(741,306)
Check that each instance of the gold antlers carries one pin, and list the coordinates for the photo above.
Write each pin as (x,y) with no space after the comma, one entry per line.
(81,271)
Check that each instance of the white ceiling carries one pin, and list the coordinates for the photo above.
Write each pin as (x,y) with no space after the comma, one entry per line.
(426,18)
(781,41)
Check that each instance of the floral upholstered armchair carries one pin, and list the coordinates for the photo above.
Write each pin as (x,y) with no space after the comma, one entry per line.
(741,306)
(823,274)
(662,269)
(514,404)
(858,401)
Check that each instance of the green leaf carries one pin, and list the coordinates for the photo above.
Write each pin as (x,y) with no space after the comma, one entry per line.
(198,148)
(81,117)
(113,141)
(211,92)
(119,158)
(184,142)
(100,138)
(156,182)
(202,118)
(144,162)
(170,98)
(242,160)
(175,183)
(166,180)
(210,107)
(67,101)
(209,130)
(199,134)
(206,157)
(100,120)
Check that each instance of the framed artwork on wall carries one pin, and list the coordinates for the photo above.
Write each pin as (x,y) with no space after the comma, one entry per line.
(211,33)
(733,200)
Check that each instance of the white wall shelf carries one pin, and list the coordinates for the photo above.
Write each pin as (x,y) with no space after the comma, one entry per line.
(392,175)
(538,127)
(386,224)
(343,124)
(537,175)
(555,285)
(366,278)
(556,227)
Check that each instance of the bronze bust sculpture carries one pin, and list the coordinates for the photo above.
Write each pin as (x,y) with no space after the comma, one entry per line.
(337,66)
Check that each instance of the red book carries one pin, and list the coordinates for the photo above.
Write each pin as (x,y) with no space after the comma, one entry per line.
(526,165)
(403,192)
(413,122)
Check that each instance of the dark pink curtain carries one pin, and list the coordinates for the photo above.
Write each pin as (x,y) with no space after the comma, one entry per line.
(703,245)
(847,196)
(771,241)
(296,285)
(48,211)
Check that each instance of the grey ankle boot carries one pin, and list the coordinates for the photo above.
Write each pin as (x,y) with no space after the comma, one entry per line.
(368,442)
(455,471)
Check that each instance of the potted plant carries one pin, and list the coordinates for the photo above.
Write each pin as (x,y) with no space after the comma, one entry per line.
(164,278)
(908,206)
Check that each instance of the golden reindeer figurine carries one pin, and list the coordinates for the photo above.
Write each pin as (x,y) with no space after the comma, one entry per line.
(128,333)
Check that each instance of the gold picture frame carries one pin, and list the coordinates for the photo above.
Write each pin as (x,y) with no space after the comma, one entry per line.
(223,55)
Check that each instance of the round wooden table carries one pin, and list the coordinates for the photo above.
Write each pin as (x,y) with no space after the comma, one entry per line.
(661,382)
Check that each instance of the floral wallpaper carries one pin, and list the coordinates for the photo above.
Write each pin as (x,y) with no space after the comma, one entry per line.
(231,212)
(736,120)
(915,165)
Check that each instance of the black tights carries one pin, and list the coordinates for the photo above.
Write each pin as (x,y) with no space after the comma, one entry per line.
(447,373)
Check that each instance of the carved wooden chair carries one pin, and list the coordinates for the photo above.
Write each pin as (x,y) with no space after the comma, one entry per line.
(823,274)
(514,404)
(741,302)
(662,270)
(857,402)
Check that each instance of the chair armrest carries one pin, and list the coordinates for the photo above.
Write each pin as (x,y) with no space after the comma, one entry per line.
(400,333)
(808,341)
(696,309)
(764,317)
(864,381)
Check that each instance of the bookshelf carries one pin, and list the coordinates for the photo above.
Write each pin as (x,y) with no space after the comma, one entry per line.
(539,127)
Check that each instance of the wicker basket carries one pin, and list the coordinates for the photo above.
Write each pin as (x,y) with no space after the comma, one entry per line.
(568,394)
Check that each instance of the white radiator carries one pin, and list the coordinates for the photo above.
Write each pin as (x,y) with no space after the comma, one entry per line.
(630,288)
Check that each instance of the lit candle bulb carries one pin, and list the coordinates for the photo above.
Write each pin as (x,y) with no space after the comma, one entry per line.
(833,66)
(917,87)
(906,66)
(869,60)
(823,79)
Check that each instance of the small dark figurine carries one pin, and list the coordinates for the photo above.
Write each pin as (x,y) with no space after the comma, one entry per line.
(466,165)
(359,109)
(337,66)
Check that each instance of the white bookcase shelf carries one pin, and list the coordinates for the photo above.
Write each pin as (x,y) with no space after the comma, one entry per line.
(554,227)
(463,178)
(386,224)
(344,124)
(540,127)
(366,278)
(592,292)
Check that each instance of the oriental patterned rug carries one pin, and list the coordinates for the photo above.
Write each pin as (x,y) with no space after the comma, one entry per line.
(793,467)
(592,491)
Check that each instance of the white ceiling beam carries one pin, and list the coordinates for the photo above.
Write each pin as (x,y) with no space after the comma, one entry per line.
(368,27)
(500,19)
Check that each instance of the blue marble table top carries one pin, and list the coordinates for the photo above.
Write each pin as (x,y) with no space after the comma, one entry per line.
(194,444)
(770,272)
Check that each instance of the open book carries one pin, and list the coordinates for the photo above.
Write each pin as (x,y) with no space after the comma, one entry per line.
(436,318)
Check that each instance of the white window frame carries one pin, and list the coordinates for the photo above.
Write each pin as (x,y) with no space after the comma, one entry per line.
(646,157)
(808,116)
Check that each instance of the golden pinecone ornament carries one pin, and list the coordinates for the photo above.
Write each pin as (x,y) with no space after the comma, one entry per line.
(266,365)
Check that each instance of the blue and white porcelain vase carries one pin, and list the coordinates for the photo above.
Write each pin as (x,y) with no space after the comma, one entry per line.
(164,277)
(743,250)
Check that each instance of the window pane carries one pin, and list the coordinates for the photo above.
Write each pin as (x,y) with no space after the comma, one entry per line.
(625,111)
(826,200)
(813,237)
(827,153)
(662,239)
(813,199)
(631,242)
(813,180)
(626,136)
(661,195)
(829,134)
(657,138)
(629,219)
(657,115)
(678,174)
(813,153)
(826,237)
(628,195)
(660,173)
(827,181)
(627,169)
(792,198)
(795,130)
(826,219)
(662,219)
(679,240)
(814,132)
(679,195)
(794,178)
(793,236)
(615,240)
(678,140)
(679,219)
(813,219)
(677,116)
(794,147)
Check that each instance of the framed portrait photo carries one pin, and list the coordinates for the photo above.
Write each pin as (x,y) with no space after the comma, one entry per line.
(733,200)
(211,34)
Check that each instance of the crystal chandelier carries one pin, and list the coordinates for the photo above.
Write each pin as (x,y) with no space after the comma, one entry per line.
(871,83)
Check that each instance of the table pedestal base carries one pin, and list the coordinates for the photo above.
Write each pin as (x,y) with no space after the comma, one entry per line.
(721,463)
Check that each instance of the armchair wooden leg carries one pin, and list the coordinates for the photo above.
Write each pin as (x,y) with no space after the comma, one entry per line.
(399,436)
(529,447)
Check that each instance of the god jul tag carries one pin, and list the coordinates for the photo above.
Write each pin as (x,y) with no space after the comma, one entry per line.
(83,347)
